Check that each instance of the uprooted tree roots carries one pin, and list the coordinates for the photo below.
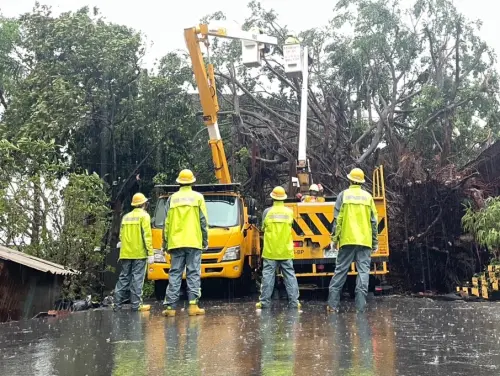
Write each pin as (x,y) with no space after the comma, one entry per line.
(429,250)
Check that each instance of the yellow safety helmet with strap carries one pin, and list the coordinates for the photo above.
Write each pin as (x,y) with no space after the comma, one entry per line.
(138,199)
(356,175)
(279,194)
(186,177)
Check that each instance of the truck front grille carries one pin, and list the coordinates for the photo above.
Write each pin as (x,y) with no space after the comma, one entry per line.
(213,250)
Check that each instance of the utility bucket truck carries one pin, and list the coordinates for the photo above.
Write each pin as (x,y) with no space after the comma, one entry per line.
(314,261)
(233,238)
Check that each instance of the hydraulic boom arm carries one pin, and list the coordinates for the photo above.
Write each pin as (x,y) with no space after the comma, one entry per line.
(303,168)
(205,81)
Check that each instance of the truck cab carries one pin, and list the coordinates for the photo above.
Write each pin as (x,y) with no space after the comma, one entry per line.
(233,239)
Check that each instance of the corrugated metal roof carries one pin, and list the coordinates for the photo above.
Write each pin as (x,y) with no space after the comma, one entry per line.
(34,262)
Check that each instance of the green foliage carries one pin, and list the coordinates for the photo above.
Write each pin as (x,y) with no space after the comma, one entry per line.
(83,103)
(51,213)
(10,68)
(416,78)
(80,230)
(483,225)
(148,289)
(85,89)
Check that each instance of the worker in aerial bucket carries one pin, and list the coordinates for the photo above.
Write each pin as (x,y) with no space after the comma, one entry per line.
(291,38)
(278,251)
(136,247)
(355,233)
(185,236)
(313,195)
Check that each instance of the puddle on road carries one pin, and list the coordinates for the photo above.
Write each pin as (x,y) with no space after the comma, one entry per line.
(398,336)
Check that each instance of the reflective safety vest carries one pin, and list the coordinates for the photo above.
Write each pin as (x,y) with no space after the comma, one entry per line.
(357,218)
(309,198)
(186,220)
(135,235)
(277,227)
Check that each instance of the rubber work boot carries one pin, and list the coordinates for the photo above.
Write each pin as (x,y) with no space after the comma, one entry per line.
(169,312)
(144,308)
(194,310)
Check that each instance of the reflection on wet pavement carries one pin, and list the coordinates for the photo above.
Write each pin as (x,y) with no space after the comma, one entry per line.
(398,336)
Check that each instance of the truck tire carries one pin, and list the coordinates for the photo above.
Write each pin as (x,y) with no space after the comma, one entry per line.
(160,288)
(242,286)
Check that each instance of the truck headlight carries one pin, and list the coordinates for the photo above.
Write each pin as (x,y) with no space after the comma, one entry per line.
(232,253)
(159,255)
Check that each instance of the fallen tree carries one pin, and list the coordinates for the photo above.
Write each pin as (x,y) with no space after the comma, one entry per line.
(413,89)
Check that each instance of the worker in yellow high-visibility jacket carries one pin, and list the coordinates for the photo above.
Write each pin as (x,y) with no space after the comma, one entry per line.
(291,38)
(185,236)
(314,194)
(278,250)
(136,247)
(355,233)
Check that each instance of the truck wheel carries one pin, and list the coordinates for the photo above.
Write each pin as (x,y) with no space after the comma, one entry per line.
(243,285)
(374,281)
(160,288)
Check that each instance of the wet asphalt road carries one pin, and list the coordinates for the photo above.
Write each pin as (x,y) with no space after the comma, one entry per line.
(398,336)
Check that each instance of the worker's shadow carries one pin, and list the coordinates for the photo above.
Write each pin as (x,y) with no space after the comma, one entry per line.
(182,338)
(278,334)
(352,331)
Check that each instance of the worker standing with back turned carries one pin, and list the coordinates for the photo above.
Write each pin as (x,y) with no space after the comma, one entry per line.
(136,247)
(278,250)
(355,232)
(185,236)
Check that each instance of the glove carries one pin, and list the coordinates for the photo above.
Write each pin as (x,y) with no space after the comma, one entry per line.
(334,242)
(151,259)
(375,250)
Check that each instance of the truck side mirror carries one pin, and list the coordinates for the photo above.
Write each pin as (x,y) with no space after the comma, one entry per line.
(251,205)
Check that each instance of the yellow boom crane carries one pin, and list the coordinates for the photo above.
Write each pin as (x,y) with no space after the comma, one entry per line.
(233,238)
(253,44)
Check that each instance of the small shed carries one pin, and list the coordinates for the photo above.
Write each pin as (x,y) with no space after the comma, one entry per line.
(28,284)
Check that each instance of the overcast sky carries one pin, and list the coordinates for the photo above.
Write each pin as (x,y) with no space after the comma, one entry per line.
(163,22)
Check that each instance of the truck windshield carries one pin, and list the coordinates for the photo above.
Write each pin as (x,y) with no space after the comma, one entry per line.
(223,211)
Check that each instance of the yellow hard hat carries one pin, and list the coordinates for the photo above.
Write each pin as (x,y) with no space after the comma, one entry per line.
(186,177)
(314,187)
(138,199)
(357,175)
(279,193)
